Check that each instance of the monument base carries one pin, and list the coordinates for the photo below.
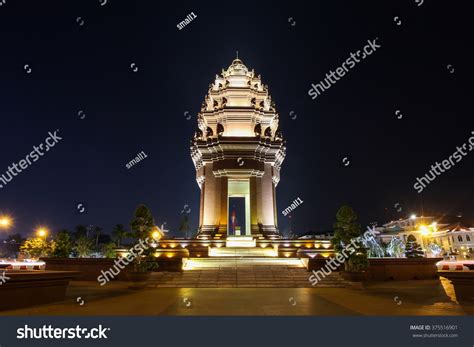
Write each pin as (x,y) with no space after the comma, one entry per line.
(240,241)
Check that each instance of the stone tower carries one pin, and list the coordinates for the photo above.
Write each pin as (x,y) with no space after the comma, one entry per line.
(238,150)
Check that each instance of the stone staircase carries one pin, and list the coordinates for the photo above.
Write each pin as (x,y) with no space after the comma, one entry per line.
(247,272)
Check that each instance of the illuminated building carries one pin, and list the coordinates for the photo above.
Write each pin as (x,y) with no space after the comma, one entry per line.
(452,235)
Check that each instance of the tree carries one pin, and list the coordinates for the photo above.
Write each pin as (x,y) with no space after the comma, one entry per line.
(374,248)
(142,223)
(12,244)
(347,231)
(184,227)
(83,246)
(396,247)
(435,248)
(80,230)
(97,231)
(62,245)
(119,233)
(37,247)
(413,249)
(108,250)
(142,226)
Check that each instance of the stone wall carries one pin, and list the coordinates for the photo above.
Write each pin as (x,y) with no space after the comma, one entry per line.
(89,268)
(29,288)
(382,269)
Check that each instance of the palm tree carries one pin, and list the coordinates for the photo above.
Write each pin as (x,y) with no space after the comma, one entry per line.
(83,246)
(184,227)
(97,231)
(119,233)
(80,230)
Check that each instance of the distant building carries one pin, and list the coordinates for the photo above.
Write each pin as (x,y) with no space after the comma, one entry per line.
(455,238)
(317,235)
(453,234)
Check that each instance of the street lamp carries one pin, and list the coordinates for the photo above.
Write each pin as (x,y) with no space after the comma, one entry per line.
(5,222)
(424,230)
(156,235)
(42,232)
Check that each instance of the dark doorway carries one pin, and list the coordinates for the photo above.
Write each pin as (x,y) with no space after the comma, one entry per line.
(236,216)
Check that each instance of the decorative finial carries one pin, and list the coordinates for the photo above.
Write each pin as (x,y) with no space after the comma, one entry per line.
(237,53)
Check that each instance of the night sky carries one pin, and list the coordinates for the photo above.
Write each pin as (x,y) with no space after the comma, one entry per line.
(87,68)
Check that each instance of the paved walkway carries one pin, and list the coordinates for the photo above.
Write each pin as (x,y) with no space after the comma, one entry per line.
(257,286)
(387,298)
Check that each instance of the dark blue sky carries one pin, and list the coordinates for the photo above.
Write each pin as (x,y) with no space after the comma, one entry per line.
(87,68)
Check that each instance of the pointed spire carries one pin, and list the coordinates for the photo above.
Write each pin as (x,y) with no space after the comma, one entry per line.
(237,59)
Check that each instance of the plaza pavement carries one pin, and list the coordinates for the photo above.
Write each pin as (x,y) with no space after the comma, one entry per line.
(422,297)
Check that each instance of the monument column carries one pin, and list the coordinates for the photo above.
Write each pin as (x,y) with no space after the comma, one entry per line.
(223,206)
(254,206)
(238,144)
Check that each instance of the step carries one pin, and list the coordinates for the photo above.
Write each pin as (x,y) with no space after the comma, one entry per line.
(242,252)
(240,241)
(226,262)
(273,274)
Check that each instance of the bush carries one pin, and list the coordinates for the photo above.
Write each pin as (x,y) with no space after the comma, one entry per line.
(62,245)
(108,250)
(37,247)
(412,248)
(83,247)
(346,229)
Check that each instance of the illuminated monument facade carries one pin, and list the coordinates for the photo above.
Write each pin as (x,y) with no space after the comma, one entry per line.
(238,151)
